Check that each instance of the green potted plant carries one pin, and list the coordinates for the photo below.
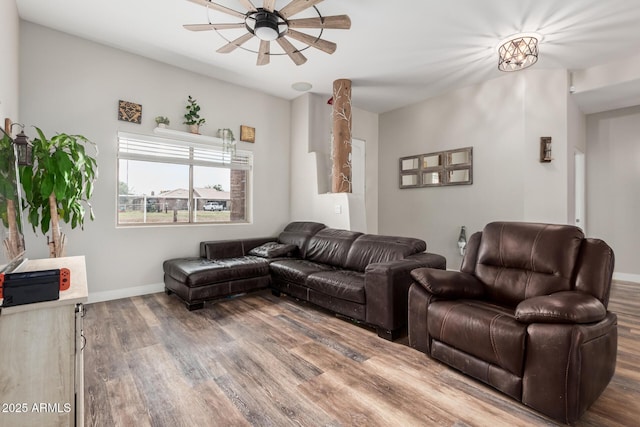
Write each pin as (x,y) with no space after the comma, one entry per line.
(226,134)
(162,121)
(228,140)
(191,117)
(58,185)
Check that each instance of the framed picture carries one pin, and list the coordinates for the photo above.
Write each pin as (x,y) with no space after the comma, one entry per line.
(129,112)
(247,134)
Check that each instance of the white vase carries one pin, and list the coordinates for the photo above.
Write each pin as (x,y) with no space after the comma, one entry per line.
(162,125)
(194,129)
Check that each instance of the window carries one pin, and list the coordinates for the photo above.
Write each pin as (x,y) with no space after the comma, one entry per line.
(173,181)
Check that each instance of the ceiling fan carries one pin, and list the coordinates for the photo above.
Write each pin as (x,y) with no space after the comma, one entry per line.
(268,24)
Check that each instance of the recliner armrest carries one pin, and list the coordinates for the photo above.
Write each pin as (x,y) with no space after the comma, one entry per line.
(561,307)
(448,284)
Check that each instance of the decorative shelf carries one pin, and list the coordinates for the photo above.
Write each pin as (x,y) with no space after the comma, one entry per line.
(187,136)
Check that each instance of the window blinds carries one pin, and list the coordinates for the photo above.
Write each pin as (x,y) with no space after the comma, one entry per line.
(173,150)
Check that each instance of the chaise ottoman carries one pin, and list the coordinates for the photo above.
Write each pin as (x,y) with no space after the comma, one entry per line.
(224,268)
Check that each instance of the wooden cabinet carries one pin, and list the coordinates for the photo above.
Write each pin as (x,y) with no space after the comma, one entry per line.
(41,366)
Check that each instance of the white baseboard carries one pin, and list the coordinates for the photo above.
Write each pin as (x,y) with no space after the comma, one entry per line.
(125,292)
(159,287)
(627,277)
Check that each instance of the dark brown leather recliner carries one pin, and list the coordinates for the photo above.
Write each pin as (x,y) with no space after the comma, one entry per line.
(527,314)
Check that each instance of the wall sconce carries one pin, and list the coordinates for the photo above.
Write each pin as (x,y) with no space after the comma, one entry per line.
(462,240)
(22,144)
(545,149)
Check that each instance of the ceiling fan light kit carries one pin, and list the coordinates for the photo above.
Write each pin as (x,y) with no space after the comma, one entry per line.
(268,24)
(518,52)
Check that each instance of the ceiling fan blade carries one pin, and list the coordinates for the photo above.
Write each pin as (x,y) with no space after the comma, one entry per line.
(248,5)
(337,22)
(297,6)
(219,8)
(208,27)
(263,53)
(231,46)
(269,5)
(323,45)
(291,50)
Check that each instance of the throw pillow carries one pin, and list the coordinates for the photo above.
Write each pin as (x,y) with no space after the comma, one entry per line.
(273,250)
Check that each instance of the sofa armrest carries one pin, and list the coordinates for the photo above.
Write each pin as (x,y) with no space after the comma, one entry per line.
(222,249)
(386,287)
(448,284)
(561,307)
(427,259)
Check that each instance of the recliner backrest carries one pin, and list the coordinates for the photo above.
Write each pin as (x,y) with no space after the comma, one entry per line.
(594,271)
(518,260)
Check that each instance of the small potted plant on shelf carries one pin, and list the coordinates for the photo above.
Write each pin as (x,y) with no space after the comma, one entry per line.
(162,121)
(192,118)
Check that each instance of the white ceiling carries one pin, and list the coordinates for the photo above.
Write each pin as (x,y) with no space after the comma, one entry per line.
(396,53)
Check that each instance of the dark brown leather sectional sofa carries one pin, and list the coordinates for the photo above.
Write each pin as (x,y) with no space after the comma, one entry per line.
(527,314)
(362,276)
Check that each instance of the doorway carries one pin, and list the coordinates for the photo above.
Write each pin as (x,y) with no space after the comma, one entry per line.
(357,166)
(579,168)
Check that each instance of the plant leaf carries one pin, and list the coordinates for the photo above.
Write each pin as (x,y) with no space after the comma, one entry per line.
(46,187)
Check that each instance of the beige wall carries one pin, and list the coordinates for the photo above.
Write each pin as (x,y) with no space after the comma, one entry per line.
(503,120)
(545,192)
(609,86)
(311,167)
(70,84)
(9,32)
(577,143)
(613,184)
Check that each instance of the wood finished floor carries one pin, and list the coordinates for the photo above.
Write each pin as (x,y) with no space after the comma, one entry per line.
(267,361)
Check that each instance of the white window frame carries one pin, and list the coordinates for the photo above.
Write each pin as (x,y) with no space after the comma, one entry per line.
(184,149)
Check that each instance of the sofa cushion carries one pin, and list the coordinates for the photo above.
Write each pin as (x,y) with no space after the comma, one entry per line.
(273,250)
(483,330)
(331,246)
(296,270)
(517,261)
(195,272)
(370,249)
(342,284)
(230,248)
(298,233)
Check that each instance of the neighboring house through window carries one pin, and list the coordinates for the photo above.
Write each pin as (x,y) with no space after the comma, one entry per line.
(171,181)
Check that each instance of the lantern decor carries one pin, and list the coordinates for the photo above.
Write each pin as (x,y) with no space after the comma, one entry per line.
(22,145)
(23,148)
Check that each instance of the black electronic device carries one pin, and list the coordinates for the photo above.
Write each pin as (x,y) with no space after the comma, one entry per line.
(31,286)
